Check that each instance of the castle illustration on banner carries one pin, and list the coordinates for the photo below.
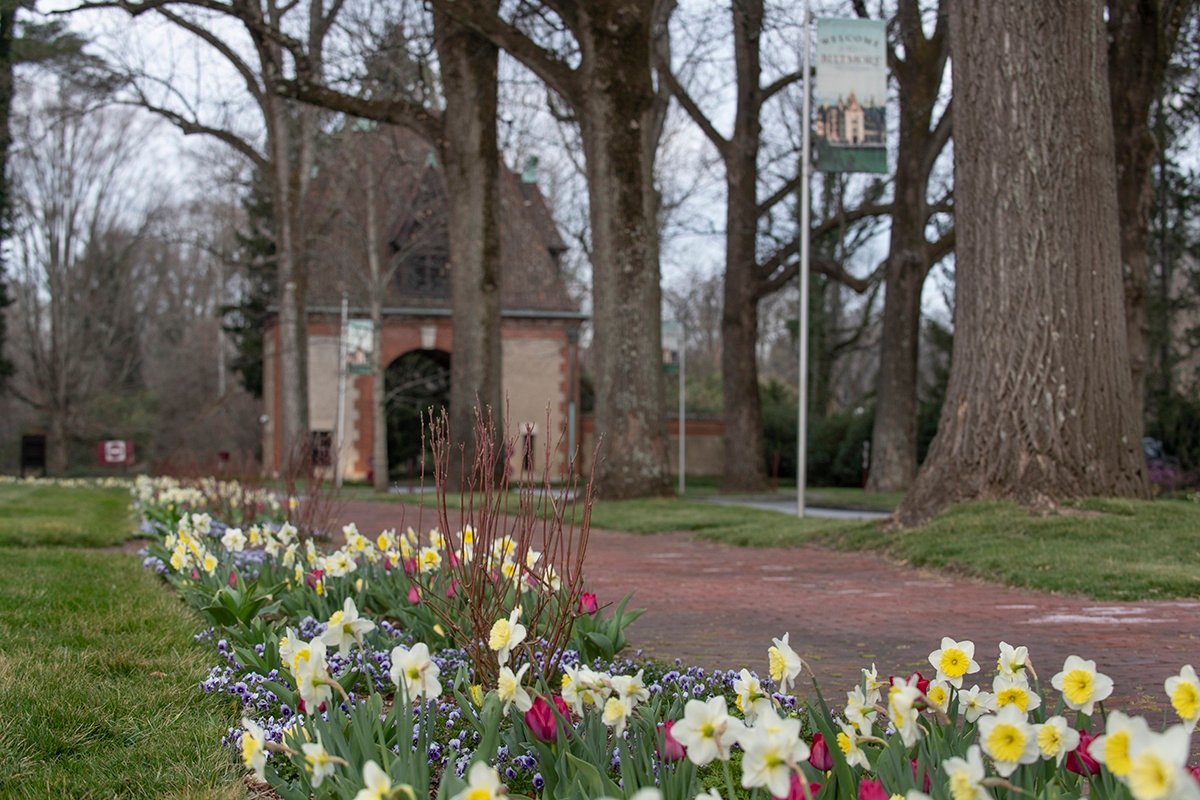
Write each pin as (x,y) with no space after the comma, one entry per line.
(848,123)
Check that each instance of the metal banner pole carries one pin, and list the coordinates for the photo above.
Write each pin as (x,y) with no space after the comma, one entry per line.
(805,167)
(341,392)
(682,408)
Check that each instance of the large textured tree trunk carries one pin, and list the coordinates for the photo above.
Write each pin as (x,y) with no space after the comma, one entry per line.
(472,163)
(615,109)
(1039,403)
(910,255)
(1141,35)
(745,462)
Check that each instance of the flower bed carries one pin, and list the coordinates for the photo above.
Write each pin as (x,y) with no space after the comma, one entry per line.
(473,664)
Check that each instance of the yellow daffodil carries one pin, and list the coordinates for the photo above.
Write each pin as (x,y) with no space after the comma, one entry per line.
(1009,739)
(1081,685)
(506,635)
(1013,691)
(345,627)
(1183,690)
(1112,749)
(785,664)
(317,760)
(254,747)
(772,751)
(1157,765)
(483,783)
(964,777)
(953,660)
(1055,738)
(510,690)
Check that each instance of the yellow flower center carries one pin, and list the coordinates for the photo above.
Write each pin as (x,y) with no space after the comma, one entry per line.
(250,748)
(954,662)
(1014,695)
(938,695)
(1186,700)
(961,787)
(1078,686)
(1006,742)
(1150,778)
(708,730)
(335,619)
(478,793)
(317,759)
(1116,753)
(1049,741)
(843,743)
(414,674)
(775,658)
(498,639)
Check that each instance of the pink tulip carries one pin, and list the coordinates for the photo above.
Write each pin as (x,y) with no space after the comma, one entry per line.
(671,750)
(1080,761)
(871,790)
(796,789)
(541,719)
(819,755)
(588,603)
(414,595)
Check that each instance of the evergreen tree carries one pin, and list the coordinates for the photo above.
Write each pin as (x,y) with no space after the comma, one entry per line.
(254,260)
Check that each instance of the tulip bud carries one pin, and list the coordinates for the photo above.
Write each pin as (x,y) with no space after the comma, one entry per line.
(819,755)
(871,790)
(671,749)
(1080,761)
(588,603)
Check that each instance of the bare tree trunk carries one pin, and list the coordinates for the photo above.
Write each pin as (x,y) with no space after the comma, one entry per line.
(910,255)
(1038,407)
(379,449)
(1142,35)
(472,162)
(625,271)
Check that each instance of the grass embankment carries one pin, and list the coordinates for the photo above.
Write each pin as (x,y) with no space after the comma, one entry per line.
(98,669)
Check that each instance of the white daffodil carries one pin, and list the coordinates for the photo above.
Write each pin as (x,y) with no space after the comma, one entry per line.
(953,660)
(711,794)
(1055,738)
(1009,739)
(318,761)
(964,777)
(939,695)
(345,627)
(873,686)
(860,710)
(784,664)
(1157,765)
(378,785)
(1081,685)
(616,713)
(234,540)
(1183,690)
(429,559)
(506,635)
(209,563)
(847,741)
(974,703)
(707,730)
(1113,748)
(902,709)
(773,750)
(1013,691)
(510,690)
(1012,660)
(631,688)
(415,671)
(483,783)
(751,699)
(254,747)
(583,687)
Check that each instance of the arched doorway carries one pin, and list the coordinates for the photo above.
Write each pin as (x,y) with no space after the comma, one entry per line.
(414,383)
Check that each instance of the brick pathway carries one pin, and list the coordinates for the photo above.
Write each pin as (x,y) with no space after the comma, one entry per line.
(719,606)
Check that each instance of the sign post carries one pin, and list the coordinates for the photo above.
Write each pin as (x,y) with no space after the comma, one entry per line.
(674,345)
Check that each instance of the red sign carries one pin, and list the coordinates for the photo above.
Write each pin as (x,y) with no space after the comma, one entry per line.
(114,453)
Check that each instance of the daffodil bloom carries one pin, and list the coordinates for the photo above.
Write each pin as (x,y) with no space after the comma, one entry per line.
(902,709)
(784,664)
(254,747)
(1112,749)
(584,687)
(386,540)
(939,694)
(1012,660)
(1183,690)
(483,783)
(707,730)
(953,660)
(234,540)
(378,785)
(773,750)
(1157,765)
(860,712)
(616,713)
(974,703)
(415,671)
(1013,691)
(964,777)
(510,690)
(1009,739)
(345,627)
(1055,738)
(506,634)
(631,688)
(872,685)
(847,740)
(1081,685)
(751,699)
(430,559)
(318,761)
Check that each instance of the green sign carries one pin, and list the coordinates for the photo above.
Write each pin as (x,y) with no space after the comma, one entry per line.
(850,96)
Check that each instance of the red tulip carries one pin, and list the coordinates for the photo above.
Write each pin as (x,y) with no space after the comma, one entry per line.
(310,580)
(796,789)
(1080,761)
(924,779)
(542,720)
(410,566)
(872,790)
(922,682)
(819,755)
(232,579)
(414,595)
(588,603)
(671,750)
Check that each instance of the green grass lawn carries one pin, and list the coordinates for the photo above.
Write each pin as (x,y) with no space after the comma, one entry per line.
(98,669)
(43,515)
